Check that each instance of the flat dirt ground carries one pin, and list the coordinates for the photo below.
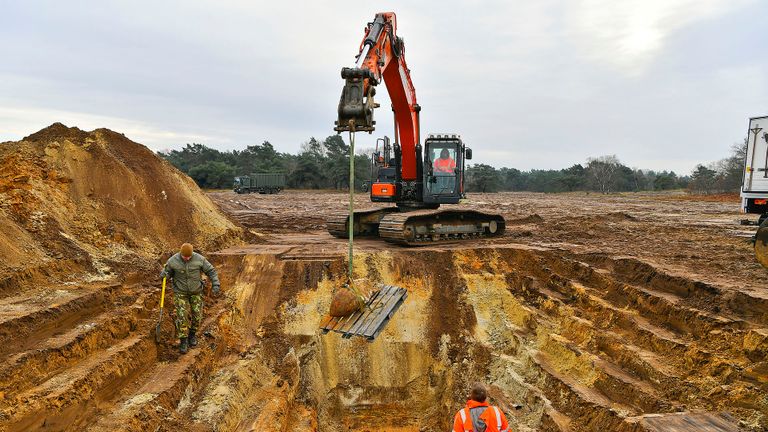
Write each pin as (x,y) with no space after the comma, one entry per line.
(698,237)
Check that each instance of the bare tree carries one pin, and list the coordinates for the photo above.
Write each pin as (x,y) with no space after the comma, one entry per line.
(602,171)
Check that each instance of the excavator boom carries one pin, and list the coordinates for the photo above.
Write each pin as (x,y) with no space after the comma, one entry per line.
(382,58)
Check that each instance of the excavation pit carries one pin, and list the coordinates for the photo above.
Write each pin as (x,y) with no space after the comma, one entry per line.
(565,342)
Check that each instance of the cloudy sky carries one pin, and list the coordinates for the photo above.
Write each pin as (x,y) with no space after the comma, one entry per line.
(663,84)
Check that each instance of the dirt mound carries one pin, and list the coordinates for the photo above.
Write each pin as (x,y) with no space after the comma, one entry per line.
(96,201)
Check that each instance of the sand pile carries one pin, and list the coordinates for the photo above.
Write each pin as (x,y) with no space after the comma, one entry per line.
(72,200)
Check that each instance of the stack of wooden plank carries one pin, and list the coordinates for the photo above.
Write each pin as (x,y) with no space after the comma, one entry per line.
(369,321)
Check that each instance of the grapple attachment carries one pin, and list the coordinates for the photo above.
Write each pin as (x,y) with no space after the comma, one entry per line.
(356,104)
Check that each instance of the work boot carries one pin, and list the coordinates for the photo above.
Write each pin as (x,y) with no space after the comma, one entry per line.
(192,339)
(183,346)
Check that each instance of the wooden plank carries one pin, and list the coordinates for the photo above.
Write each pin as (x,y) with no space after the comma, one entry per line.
(349,320)
(326,327)
(343,321)
(369,322)
(370,309)
(389,316)
(377,308)
(337,323)
(349,330)
(349,323)
(390,309)
(384,314)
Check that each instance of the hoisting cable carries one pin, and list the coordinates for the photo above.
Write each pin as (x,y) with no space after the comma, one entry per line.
(351,220)
(348,299)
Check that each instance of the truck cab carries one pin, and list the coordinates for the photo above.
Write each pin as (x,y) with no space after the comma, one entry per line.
(754,185)
(241,184)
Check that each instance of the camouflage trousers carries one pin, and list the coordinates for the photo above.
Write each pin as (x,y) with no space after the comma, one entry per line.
(189,313)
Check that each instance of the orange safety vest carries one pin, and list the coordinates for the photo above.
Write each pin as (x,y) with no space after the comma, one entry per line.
(444,165)
(494,419)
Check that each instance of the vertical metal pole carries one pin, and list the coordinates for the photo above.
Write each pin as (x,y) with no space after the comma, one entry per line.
(765,167)
(351,195)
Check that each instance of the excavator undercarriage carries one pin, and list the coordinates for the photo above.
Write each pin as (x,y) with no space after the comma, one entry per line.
(419,227)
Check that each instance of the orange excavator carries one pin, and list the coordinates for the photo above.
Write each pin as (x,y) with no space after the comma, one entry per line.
(418,179)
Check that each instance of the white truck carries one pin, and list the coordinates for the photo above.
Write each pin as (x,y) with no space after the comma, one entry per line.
(754,184)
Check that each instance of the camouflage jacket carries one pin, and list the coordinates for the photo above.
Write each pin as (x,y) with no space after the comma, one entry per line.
(187,275)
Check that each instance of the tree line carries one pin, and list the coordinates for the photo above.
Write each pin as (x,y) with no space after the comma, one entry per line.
(325,165)
(318,165)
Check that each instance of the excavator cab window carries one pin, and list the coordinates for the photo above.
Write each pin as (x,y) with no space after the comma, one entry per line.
(443,160)
(442,171)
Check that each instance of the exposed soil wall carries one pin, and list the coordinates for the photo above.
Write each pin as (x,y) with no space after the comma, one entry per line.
(565,342)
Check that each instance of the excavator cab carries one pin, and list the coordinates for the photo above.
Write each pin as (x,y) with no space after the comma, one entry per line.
(444,162)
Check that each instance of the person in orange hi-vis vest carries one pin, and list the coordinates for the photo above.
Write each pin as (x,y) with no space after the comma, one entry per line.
(478,415)
(444,164)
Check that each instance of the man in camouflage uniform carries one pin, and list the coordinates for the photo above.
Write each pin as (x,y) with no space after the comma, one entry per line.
(185,270)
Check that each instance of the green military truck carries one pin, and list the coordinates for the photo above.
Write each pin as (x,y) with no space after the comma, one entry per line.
(263,183)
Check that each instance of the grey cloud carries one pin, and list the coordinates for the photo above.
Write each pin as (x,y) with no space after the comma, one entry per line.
(528,84)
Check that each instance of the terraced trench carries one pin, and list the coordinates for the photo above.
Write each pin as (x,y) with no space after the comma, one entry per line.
(566,343)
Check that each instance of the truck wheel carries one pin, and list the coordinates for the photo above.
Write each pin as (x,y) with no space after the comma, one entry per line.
(761,243)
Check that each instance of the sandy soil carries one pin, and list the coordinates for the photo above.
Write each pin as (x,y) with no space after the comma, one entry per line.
(700,237)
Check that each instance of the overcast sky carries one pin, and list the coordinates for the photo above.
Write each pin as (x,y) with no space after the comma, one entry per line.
(663,84)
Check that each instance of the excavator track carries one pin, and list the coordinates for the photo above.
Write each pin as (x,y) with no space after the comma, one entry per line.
(419,227)
(366,222)
(429,227)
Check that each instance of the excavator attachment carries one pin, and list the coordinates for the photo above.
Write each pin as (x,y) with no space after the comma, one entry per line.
(356,104)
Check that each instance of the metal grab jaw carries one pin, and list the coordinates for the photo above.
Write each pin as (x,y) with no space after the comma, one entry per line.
(355,104)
